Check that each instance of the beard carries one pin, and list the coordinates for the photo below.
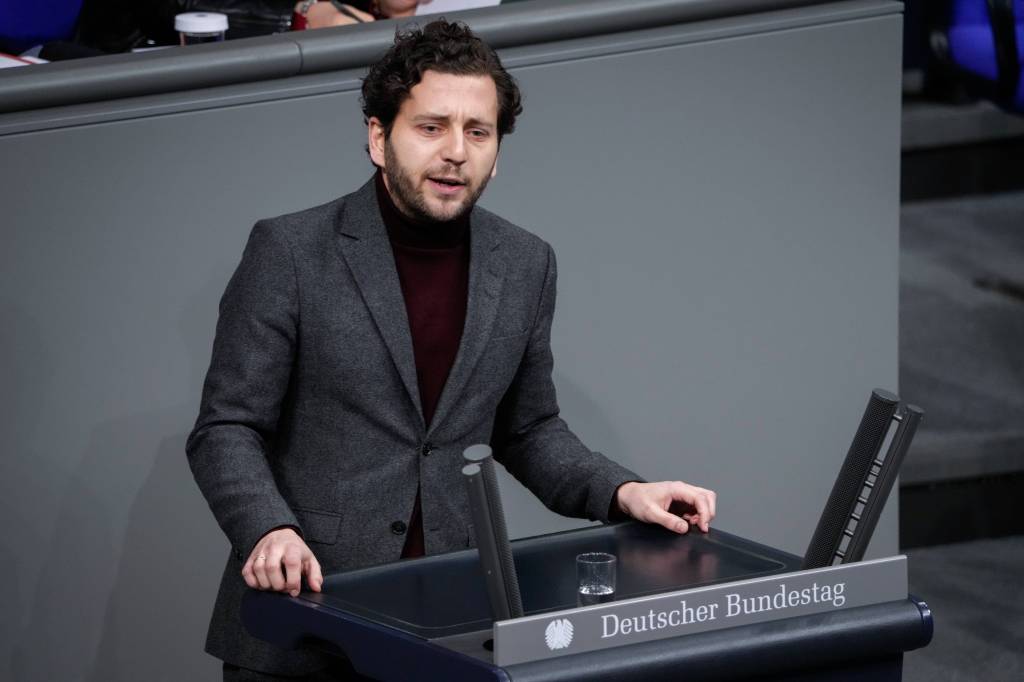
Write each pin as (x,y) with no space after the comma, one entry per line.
(412,203)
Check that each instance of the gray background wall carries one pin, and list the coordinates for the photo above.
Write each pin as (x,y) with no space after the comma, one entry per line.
(723,200)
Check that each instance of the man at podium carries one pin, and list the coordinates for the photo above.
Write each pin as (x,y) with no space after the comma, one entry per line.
(363,344)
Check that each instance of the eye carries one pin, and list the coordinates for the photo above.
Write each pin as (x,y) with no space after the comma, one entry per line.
(478,134)
(430,128)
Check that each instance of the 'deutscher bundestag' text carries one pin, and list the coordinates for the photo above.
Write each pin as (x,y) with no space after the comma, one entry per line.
(729,605)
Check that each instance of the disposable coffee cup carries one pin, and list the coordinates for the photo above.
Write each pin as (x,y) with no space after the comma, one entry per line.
(195,28)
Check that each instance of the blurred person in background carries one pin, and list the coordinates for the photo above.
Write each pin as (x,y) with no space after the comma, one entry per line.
(107,26)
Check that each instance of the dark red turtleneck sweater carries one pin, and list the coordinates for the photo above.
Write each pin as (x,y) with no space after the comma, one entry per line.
(433,269)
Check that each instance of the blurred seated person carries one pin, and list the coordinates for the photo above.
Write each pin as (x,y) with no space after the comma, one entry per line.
(325,14)
(123,25)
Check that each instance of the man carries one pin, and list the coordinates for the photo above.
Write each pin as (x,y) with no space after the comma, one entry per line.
(363,344)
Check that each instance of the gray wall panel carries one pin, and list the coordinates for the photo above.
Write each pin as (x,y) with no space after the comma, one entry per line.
(725,215)
(109,288)
(728,258)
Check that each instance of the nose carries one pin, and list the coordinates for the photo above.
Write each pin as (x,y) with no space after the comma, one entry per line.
(454,150)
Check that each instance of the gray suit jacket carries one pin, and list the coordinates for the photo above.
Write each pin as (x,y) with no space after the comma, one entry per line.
(310,413)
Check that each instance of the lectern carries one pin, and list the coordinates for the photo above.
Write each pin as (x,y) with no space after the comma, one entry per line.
(694,607)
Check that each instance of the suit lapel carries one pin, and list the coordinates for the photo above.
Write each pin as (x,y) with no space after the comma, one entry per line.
(486,277)
(364,245)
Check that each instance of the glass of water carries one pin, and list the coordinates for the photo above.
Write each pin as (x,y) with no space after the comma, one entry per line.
(595,575)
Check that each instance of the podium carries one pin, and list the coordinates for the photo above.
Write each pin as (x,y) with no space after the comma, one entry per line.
(429,618)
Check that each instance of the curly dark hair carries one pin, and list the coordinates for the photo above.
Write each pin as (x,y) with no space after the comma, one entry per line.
(445,47)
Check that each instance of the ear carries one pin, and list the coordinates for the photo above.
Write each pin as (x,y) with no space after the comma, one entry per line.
(376,140)
(494,168)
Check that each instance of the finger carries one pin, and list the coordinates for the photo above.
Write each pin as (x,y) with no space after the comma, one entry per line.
(670,521)
(293,570)
(684,492)
(697,522)
(314,577)
(695,497)
(259,569)
(701,503)
(274,573)
(713,503)
(247,575)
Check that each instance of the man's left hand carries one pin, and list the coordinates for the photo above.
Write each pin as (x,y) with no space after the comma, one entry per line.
(655,503)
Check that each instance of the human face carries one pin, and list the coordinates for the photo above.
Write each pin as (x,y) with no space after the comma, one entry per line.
(443,146)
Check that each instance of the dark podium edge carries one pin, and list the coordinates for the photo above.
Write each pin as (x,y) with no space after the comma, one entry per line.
(865,642)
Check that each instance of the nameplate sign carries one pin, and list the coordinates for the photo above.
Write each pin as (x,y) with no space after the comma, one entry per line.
(701,609)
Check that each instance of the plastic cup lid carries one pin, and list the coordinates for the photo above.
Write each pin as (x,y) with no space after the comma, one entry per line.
(201,22)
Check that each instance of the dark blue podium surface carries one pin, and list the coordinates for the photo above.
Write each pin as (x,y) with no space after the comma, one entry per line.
(430,619)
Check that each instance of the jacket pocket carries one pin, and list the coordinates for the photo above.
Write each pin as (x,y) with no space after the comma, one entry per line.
(318,526)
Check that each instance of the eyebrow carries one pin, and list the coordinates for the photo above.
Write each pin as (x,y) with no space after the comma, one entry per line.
(471,122)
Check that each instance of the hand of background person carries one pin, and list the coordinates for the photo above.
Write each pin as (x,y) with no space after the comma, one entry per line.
(672,504)
(324,15)
(279,561)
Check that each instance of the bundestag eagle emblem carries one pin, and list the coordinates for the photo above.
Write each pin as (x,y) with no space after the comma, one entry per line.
(558,634)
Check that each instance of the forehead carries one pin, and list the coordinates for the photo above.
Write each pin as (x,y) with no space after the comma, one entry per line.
(455,96)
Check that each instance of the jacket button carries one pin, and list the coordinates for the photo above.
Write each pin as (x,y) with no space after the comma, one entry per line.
(398,527)
(427,449)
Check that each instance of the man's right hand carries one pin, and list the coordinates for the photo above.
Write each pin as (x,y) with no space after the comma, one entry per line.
(279,561)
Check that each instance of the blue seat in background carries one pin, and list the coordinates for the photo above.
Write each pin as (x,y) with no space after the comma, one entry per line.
(26,23)
(986,42)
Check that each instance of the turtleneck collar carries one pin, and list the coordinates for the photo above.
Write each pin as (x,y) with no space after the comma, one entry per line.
(417,233)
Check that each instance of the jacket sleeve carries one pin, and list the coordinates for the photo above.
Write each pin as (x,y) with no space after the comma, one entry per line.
(253,355)
(536,445)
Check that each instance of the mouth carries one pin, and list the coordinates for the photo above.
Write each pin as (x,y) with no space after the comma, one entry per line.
(447,185)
